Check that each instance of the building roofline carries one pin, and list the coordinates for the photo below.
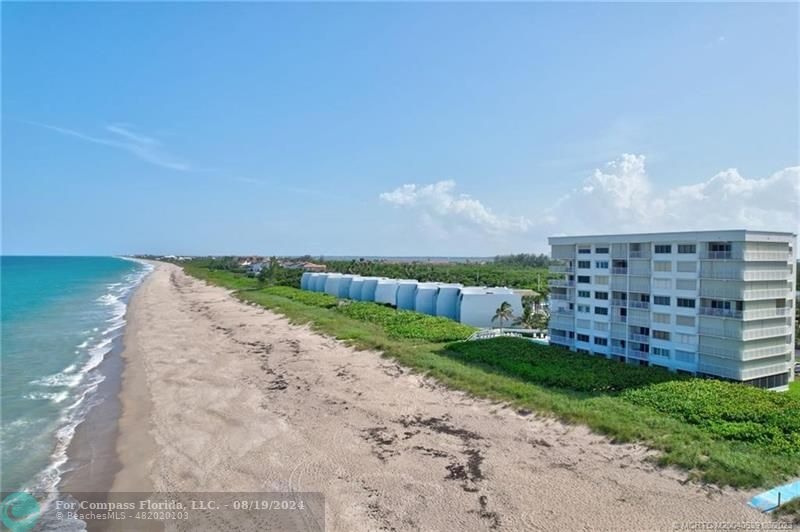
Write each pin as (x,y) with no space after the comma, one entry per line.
(676,234)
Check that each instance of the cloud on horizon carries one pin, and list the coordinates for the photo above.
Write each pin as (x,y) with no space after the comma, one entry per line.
(443,211)
(620,197)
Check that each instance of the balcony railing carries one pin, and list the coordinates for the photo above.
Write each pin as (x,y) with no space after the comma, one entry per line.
(720,312)
(561,268)
(720,332)
(618,350)
(640,355)
(639,304)
(641,338)
(639,255)
(746,354)
(561,282)
(746,295)
(766,313)
(747,275)
(563,312)
(766,332)
(619,302)
(619,318)
(562,340)
(561,297)
(776,256)
(619,271)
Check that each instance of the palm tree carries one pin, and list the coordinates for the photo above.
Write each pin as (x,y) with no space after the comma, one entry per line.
(504,312)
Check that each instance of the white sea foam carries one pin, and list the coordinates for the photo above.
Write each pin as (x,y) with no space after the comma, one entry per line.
(82,382)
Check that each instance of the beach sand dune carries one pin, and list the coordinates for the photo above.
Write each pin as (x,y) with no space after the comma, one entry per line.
(222,396)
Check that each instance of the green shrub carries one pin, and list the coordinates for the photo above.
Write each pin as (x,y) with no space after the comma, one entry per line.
(407,324)
(555,366)
(729,410)
(316,299)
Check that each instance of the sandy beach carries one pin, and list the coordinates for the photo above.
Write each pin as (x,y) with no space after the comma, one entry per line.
(222,396)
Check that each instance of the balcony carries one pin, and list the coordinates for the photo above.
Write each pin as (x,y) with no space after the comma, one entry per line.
(619,302)
(641,338)
(744,294)
(619,271)
(640,255)
(766,332)
(767,313)
(562,268)
(753,256)
(619,318)
(618,350)
(639,355)
(720,312)
(639,304)
(566,283)
(562,312)
(739,374)
(746,275)
(747,354)
(562,340)
(560,297)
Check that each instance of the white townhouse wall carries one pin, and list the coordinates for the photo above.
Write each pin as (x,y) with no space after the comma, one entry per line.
(715,303)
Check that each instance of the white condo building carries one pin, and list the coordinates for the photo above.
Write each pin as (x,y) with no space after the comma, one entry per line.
(714,303)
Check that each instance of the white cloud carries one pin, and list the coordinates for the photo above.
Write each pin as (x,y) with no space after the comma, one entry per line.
(145,148)
(443,212)
(623,197)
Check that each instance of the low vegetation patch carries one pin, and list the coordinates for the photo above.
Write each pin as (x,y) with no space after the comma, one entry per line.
(556,367)
(407,324)
(729,411)
(316,299)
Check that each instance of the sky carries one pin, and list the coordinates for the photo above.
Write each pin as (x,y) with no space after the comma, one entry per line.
(451,129)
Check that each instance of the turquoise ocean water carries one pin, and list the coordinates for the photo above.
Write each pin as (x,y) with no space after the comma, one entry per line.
(59,317)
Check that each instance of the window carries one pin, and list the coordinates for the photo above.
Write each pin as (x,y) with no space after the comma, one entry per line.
(687,266)
(662,266)
(584,279)
(664,284)
(602,311)
(584,293)
(684,356)
(600,341)
(685,303)
(661,335)
(685,321)
(601,250)
(719,247)
(660,352)
(583,308)
(658,317)
(661,300)
(686,284)
(688,339)
(601,295)
(585,264)
(687,248)
(583,337)
(584,251)
(601,279)
(663,248)
(601,264)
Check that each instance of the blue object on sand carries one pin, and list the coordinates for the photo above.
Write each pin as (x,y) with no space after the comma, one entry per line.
(768,500)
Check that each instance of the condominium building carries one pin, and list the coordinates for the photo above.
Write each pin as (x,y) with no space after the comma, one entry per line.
(711,303)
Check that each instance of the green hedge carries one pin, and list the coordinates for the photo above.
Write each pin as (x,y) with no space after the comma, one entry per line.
(555,366)
(728,410)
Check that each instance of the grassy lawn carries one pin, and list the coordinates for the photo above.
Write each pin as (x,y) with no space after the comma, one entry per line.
(719,432)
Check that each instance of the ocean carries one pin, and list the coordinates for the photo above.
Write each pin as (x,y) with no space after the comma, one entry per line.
(60,317)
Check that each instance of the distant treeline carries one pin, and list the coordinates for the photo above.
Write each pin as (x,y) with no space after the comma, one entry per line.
(471,274)
(524,259)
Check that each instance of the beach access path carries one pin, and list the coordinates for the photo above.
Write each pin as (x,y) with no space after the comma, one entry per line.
(218,395)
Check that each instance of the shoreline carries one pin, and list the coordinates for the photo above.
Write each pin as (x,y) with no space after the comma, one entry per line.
(93,460)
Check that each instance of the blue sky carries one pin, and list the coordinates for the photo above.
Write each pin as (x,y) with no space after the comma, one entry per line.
(391,129)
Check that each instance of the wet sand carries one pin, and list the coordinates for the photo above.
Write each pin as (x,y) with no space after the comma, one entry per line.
(222,396)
